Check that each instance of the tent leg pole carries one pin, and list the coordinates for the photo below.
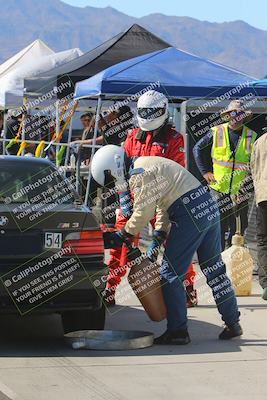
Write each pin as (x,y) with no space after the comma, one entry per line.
(57,130)
(25,118)
(183,126)
(98,108)
(78,172)
(69,140)
(4,131)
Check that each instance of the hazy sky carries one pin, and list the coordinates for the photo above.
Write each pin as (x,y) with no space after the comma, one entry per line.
(254,12)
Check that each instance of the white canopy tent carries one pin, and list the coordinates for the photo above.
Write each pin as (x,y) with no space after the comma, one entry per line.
(35,50)
(29,65)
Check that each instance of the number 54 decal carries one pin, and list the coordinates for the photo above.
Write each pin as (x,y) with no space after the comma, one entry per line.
(53,240)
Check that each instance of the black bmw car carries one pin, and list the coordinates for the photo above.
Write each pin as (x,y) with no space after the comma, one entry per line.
(51,246)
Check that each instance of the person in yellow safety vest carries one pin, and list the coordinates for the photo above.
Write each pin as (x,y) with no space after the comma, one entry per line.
(223,158)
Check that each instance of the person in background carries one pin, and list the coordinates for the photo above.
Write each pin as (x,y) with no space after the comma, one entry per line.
(12,128)
(87,121)
(154,137)
(259,175)
(20,122)
(114,131)
(83,154)
(223,157)
(113,127)
(118,123)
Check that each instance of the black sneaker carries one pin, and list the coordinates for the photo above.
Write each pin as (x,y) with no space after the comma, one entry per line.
(231,332)
(179,337)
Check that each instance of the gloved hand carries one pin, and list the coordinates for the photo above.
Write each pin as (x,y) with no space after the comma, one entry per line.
(113,240)
(126,203)
(157,240)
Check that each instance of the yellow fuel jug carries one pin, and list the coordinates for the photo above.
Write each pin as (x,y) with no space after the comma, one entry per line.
(239,263)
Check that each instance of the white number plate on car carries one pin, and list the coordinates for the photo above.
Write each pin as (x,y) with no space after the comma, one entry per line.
(53,240)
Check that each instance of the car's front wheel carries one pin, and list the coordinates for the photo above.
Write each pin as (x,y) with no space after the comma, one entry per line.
(83,320)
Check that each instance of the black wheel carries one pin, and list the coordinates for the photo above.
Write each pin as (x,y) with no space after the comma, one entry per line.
(83,320)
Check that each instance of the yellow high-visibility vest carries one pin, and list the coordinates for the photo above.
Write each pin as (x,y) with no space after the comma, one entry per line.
(229,170)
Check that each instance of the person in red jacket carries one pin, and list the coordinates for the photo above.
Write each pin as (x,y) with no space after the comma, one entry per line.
(154,137)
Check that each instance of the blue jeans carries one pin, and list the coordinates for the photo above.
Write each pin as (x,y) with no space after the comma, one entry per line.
(195,227)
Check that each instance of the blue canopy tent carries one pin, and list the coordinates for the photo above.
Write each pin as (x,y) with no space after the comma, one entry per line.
(179,74)
(260,82)
(259,87)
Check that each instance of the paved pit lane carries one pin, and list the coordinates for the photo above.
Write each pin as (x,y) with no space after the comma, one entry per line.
(37,364)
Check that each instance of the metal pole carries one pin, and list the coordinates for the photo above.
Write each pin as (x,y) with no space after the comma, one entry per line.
(57,130)
(98,108)
(79,157)
(183,125)
(69,140)
(24,120)
(4,131)
(78,171)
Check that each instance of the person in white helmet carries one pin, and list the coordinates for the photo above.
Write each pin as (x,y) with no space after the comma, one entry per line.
(164,188)
(154,137)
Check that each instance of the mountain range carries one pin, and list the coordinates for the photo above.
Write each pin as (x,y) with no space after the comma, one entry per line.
(62,26)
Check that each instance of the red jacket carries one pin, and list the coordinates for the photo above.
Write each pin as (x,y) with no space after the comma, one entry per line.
(167,143)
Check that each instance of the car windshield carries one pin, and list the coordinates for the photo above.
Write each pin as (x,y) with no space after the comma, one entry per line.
(34,183)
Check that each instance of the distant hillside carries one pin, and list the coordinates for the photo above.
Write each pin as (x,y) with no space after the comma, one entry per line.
(62,26)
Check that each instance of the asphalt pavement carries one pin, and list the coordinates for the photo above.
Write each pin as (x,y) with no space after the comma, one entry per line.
(36,364)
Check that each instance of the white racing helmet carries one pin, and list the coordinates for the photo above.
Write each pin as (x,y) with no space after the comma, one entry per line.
(108,159)
(152,110)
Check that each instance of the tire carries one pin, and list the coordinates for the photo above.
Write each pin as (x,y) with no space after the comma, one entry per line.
(83,320)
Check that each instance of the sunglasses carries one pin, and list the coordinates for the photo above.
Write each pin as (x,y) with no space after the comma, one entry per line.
(233,114)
